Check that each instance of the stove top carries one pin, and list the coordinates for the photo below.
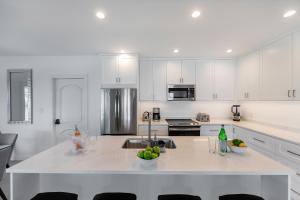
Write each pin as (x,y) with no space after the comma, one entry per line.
(182,122)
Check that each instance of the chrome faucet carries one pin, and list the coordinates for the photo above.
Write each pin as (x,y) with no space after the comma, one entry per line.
(149,129)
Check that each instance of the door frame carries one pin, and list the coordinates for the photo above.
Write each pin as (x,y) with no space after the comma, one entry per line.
(68,76)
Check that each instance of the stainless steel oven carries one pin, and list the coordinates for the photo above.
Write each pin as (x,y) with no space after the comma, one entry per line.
(183,127)
(181,92)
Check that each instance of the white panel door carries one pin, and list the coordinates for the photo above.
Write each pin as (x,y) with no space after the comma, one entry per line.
(109,69)
(188,72)
(276,70)
(248,77)
(70,106)
(160,80)
(174,72)
(146,80)
(224,76)
(296,66)
(127,70)
(204,80)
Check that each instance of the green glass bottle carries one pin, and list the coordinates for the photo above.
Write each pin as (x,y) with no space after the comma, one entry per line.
(222,140)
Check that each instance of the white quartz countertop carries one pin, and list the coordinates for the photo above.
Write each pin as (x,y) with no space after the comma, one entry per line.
(105,156)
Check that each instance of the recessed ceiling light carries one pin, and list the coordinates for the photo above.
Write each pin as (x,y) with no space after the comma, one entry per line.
(289,13)
(176,51)
(100,15)
(229,51)
(196,14)
(122,51)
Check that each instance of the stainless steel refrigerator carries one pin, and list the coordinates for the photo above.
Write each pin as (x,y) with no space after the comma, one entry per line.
(119,111)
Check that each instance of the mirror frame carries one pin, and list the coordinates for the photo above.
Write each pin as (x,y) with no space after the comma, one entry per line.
(10,121)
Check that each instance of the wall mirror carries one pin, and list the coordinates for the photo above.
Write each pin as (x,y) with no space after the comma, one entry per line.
(20,96)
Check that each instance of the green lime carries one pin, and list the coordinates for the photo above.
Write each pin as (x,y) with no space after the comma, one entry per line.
(154,155)
(147,155)
(149,149)
(140,154)
(156,149)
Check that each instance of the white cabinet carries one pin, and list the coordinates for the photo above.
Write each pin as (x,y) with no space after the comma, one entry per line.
(122,69)
(159,130)
(248,73)
(276,77)
(214,130)
(224,77)
(181,72)
(160,80)
(296,66)
(146,80)
(204,80)
(153,80)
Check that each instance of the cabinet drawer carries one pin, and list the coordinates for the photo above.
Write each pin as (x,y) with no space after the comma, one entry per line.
(214,130)
(289,154)
(159,130)
(262,142)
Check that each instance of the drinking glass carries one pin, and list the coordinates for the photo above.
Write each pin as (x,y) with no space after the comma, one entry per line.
(212,144)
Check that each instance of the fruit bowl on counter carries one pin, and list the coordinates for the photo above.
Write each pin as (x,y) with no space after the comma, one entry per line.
(237,146)
(149,156)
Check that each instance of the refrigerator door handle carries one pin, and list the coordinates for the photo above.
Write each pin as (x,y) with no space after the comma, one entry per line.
(118,110)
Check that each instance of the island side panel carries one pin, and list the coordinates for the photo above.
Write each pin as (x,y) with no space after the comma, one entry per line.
(275,187)
(24,186)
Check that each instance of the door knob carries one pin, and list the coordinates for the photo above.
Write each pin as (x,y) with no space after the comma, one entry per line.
(57,122)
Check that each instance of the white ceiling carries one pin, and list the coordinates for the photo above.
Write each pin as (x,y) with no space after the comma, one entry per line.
(147,27)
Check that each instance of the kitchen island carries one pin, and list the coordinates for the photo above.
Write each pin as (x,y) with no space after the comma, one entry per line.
(105,166)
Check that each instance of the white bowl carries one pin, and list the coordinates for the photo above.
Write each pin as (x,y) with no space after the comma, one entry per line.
(147,163)
(239,150)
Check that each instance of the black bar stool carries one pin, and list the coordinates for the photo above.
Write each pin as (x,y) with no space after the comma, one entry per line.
(55,196)
(178,197)
(115,196)
(240,197)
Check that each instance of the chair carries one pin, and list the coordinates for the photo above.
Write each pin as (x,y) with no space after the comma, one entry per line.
(8,139)
(178,197)
(240,197)
(115,196)
(55,196)
(4,155)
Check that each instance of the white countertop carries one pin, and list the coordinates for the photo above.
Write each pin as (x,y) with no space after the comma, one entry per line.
(105,156)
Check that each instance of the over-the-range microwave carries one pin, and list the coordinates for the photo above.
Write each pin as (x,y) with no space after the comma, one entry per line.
(181,93)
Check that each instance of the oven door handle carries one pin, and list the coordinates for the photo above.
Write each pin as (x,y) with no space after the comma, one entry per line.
(184,129)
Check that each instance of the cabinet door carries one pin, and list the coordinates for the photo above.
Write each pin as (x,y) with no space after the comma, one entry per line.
(224,76)
(146,80)
(174,72)
(160,80)
(248,77)
(128,69)
(276,70)
(296,66)
(188,72)
(204,81)
(109,69)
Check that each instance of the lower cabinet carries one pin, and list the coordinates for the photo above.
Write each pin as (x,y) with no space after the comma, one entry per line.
(159,130)
(214,130)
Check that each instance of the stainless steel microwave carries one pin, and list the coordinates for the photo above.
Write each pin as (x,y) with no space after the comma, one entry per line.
(181,93)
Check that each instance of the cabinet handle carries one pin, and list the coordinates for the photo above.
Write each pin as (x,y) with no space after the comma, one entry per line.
(214,130)
(297,193)
(116,79)
(293,153)
(289,93)
(258,140)
(247,95)
(294,93)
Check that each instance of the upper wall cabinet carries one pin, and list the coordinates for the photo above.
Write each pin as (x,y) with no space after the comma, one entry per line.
(224,77)
(153,80)
(296,67)
(215,80)
(119,70)
(276,76)
(181,72)
(248,77)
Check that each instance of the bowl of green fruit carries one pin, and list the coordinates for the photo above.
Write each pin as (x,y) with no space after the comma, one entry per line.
(237,146)
(149,156)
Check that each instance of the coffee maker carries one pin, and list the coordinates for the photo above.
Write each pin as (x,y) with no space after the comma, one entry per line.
(236,113)
(156,114)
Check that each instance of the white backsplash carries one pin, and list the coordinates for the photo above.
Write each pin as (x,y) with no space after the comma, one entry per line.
(188,109)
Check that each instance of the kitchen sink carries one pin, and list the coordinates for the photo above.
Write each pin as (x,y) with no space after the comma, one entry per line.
(139,143)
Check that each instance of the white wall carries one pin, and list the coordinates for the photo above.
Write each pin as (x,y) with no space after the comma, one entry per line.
(188,109)
(39,136)
(284,114)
